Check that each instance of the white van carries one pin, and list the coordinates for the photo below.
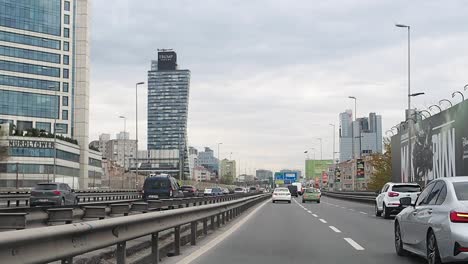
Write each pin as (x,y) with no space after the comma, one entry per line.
(300,190)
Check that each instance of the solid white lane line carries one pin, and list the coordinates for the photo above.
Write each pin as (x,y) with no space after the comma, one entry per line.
(315,215)
(353,243)
(335,229)
(323,221)
(363,213)
(207,247)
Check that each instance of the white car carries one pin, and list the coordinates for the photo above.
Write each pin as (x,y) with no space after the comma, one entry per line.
(388,200)
(281,194)
(240,190)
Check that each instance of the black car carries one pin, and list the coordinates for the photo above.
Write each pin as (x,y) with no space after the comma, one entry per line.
(189,191)
(161,186)
(293,190)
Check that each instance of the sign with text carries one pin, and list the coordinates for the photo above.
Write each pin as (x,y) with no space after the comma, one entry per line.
(360,169)
(30,144)
(167,61)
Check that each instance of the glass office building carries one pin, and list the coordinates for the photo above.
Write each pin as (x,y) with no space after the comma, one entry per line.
(44,78)
(168,94)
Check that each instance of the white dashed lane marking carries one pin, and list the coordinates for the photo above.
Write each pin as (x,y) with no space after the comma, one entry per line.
(314,215)
(335,229)
(323,221)
(353,243)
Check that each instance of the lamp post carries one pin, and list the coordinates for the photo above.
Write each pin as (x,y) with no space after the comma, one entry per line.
(125,146)
(321,156)
(136,130)
(334,135)
(219,163)
(55,133)
(352,127)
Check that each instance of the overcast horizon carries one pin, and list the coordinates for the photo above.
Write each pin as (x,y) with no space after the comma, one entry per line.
(268,77)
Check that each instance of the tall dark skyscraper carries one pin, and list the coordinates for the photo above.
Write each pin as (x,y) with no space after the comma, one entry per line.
(168,94)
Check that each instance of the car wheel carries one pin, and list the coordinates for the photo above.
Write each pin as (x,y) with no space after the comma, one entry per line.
(289,201)
(377,212)
(318,201)
(62,202)
(76,201)
(273,201)
(398,242)
(386,212)
(303,201)
(433,256)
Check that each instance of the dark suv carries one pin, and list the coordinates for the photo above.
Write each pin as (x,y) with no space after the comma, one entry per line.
(161,186)
(52,193)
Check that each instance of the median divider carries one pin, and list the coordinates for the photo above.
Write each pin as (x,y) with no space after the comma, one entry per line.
(64,242)
(365,197)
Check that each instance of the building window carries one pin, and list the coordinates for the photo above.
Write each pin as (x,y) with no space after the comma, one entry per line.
(29,40)
(43,126)
(65,100)
(64,114)
(66,6)
(29,54)
(29,68)
(65,73)
(66,46)
(65,87)
(66,59)
(24,125)
(61,128)
(66,32)
(28,104)
(66,19)
(29,83)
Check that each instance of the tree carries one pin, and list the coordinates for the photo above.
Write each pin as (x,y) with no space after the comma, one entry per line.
(382,164)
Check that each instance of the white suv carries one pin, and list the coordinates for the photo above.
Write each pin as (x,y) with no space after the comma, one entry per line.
(388,200)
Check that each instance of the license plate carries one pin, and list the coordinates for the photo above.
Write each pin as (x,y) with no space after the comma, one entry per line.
(42,200)
(153,196)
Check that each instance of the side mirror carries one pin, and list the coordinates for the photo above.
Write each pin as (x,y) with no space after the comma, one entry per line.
(406,201)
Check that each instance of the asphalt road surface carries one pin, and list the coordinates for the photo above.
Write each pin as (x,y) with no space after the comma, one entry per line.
(334,231)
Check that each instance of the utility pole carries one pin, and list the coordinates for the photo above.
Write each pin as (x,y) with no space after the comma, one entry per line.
(136,131)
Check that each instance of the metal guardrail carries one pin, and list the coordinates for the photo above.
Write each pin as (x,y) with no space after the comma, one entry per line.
(47,244)
(20,197)
(367,197)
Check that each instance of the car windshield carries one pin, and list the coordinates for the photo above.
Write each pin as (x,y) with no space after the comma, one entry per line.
(238,189)
(461,190)
(46,187)
(406,188)
(312,191)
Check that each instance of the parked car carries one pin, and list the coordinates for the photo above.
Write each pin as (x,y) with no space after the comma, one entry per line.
(239,190)
(161,186)
(253,189)
(281,194)
(225,190)
(311,194)
(189,191)
(293,190)
(388,200)
(215,191)
(435,226)
(52,193)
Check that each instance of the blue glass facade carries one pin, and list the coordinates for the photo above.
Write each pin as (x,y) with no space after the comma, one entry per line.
(28,104)
(29,40)
(43,126)
(29,54)
(29,68)
(29,83)
(44,153)
(38,169)
(42,16)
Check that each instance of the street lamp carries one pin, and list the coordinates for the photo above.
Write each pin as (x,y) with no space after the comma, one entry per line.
(136,130)
(321,157)
(334,135)
(54,87)
(125,146)
(219,162)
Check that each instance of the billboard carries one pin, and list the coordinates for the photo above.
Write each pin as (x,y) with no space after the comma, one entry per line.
(167,61)
(439,147)
(314,168)
(360,169)
(285,177)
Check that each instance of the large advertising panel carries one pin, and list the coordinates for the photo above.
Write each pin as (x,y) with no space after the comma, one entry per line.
(167,60)
(439,147)
(360,169)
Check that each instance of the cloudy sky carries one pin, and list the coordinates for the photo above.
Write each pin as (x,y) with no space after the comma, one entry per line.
(269,76)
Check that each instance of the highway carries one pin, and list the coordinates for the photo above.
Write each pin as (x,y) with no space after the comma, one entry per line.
(334,231)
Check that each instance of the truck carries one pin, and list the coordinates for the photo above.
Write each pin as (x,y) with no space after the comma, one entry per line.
(300,189)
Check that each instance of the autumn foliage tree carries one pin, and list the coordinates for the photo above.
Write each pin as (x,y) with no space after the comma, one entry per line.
(382,164)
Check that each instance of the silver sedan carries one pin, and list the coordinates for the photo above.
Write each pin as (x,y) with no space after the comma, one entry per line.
(436,226)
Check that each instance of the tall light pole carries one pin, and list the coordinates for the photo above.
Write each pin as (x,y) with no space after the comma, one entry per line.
(125,146)
(219,163)
(352,126)
(334,135)
(321,156)
(136,130)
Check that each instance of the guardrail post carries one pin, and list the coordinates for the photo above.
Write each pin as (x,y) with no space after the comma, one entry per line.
(155,248)
(212,222)
(205,226)
(121,253)
(193,233)
(218,220)
(68,260)
(223,221)
(177,241)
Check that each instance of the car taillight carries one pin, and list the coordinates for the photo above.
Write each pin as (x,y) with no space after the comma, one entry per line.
(57,192)
(458,217)
(393,194)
